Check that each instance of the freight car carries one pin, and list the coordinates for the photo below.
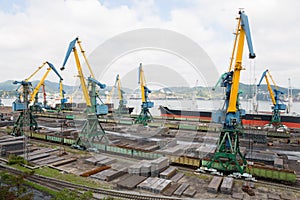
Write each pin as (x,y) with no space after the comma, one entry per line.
(185,160)
(270,173)
(276,174)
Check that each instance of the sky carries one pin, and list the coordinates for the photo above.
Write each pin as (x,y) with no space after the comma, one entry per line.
(35,31)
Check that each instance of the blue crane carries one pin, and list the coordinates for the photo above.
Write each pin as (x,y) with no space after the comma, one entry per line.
(274,94)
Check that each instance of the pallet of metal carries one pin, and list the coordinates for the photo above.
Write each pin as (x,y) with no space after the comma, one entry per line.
(154,187)
(262,156)
(107,161)
(214,184)
(171,189)
(159,165)
(38,156)
(43,159)
(154,184)
(177,177)
(41,151)
(108,175)
(175,150)
(168,173)
(49,161)
(93,160)
(163,186)
(4,137)
(10,138)
(189,192)
(181,189)
(63,162)
(145,185)
(145,168)
(11,146)
(278,162)
(15,152)
(227,184)
(94,171)
(134,169)
(130,182)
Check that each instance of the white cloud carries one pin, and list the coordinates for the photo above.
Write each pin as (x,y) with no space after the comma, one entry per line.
(43,29)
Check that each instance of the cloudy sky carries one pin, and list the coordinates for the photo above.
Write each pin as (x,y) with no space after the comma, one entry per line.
(34,31)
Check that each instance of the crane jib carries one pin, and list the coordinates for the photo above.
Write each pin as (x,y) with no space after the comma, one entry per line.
(71,46)
(246,27)
(54,69)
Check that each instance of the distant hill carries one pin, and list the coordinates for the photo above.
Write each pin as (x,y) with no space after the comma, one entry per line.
(247,90)
(51,87)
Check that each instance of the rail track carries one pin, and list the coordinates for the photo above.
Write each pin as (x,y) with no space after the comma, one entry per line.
(272,184)
(280,186)
(59,185)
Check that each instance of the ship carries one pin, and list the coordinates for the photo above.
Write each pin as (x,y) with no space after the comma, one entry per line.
(255,119)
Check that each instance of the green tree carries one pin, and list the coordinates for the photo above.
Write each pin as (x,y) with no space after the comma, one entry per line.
(12,187)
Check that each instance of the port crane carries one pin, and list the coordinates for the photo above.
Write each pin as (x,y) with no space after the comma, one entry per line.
(226,156)
(122,109)
(145,115)
(27,102)
(92,129)
(274,94)
(34,94)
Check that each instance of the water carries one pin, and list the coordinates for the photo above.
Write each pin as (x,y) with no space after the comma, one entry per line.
(203,105)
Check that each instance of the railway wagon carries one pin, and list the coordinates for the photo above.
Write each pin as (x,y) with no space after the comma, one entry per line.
(172,126)
(184,160)
(40,136)
(278,134)
(276,174)
(272,173)
(69,141)
(55,138)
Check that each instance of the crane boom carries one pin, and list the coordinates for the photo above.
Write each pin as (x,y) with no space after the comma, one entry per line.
(141,81)
(264,75)
(37,88)
(101,85)
(36,71)
(119,88)
(71,48)
(242,31)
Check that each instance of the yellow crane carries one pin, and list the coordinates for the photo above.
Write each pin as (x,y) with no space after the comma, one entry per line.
(25,99)
(89,96)
(228,145)
(145,115)
(34,93)
(92,128)
(277,106)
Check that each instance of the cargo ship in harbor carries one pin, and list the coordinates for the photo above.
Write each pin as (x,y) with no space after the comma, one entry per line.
(255,119)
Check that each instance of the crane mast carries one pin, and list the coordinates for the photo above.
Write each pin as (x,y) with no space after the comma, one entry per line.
(92,129)
(145,115)
(228,144)
(26,104)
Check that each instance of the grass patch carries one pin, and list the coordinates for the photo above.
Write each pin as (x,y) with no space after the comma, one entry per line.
(72,178)
(201,176)
(41,188)
(58,146)
(19,167)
